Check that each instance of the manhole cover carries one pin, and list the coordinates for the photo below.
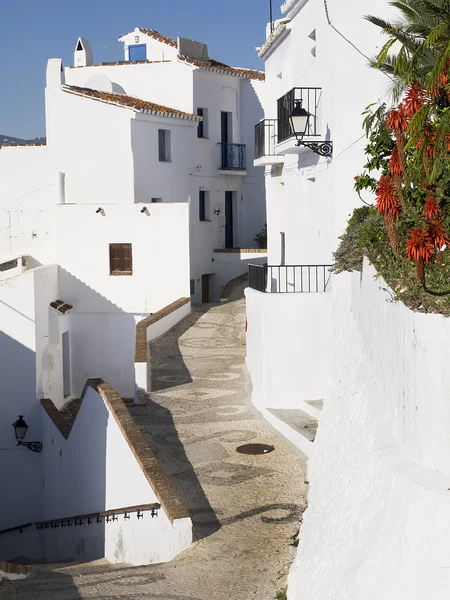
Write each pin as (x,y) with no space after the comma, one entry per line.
(255,449)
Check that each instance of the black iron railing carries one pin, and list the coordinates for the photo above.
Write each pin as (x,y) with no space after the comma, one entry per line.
(265,138)
(232,157)
(310,98)
(285,279)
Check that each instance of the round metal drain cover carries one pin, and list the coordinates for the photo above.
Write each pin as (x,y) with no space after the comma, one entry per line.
(255,449)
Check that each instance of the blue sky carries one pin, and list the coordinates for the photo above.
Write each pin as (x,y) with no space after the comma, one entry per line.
(34,30)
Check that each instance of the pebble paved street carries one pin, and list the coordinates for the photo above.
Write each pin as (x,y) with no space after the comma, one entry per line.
(245,509)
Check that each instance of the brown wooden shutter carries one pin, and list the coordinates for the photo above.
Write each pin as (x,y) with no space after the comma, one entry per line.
(120,259)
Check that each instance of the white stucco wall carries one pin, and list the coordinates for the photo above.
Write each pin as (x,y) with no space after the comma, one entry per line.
(95,470)
(288,347)
(160,242)
(21,503)
(377,522)
(27,203)
(232,264)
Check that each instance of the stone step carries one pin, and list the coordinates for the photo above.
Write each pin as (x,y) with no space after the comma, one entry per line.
(296,425)
(312,407)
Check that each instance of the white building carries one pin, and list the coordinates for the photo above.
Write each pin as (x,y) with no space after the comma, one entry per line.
(123,214)
(336,351)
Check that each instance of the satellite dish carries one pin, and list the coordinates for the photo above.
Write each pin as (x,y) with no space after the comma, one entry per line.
(101,83)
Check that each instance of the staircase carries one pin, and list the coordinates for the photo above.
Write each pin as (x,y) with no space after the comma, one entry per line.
(298,425)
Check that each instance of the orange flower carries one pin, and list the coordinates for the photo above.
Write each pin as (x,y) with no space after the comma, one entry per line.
(395,167)
(386,197)
(431,209)
(397,119)
(414,99)
(437,234)
(419,246)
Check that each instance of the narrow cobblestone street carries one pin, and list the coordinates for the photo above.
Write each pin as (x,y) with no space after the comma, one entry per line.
(244,508)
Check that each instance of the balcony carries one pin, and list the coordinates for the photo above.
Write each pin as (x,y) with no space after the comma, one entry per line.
(232,159)
(287,279)
(310,99)
(265,141)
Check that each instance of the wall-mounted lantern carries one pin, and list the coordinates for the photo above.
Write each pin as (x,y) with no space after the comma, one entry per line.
(20,429)
(299,118)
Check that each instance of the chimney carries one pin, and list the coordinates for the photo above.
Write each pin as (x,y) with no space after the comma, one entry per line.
(83,56)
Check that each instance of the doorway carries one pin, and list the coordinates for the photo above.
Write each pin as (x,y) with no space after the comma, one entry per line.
(229,220)
(205,288)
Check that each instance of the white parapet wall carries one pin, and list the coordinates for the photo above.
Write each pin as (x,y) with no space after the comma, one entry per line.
(288,347)
(377,525)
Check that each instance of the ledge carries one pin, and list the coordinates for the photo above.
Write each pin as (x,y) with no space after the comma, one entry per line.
(240,250)
(10,568)
(140,354)
(160,484)
(229,287)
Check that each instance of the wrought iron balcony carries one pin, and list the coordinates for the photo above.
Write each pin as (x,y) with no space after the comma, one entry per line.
(265,138)
(232,157)
(310,98)
(285,279)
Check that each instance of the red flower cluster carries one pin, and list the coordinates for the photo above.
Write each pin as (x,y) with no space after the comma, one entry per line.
(386,197)
(431,209)
(419,246)
(395,167)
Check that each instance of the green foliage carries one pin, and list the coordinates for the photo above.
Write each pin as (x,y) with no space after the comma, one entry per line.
(281,595)
(261,237)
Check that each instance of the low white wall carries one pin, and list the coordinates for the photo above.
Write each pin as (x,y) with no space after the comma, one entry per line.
(163,325)
(96,470)
(288,347)
(229,265)
(379,508)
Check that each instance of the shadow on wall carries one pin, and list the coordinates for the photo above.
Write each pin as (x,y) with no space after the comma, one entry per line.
(103,337)
(75,465)
(167,367)
(162,437)
(20,475)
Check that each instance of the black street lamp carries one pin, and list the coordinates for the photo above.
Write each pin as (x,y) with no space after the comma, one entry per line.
(20,429)
(299,119)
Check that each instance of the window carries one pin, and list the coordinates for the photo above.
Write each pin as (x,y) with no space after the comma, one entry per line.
(66,364)
(202,129)
(153,200)
(192,287)
(203,206)
(164,145)
(120,259)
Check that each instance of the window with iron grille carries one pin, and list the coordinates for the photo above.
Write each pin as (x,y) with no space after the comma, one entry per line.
(120,259)
(164,145)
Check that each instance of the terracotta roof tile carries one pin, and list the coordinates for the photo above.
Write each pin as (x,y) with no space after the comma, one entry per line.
(215,65)
(129,102)
(210,65)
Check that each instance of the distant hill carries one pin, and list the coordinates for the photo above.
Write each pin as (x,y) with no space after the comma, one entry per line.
(7,140)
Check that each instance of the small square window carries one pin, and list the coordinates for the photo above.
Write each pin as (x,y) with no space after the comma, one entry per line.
(164,145)
(202,128)
(203,206)
(120,259)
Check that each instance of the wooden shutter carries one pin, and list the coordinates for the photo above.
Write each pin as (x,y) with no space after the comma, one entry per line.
(120,259)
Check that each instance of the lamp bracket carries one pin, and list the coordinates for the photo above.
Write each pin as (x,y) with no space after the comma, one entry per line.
(33,446)
(321,148)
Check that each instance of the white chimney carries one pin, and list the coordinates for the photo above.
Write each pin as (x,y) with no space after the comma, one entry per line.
(83,56)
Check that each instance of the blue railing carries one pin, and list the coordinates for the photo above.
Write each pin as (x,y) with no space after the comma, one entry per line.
(232,157)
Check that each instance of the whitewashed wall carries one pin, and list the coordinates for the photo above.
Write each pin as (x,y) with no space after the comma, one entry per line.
(377,522)
(27,203)
(232,264)
(21,503)
(168,83)
(95,470)
(159,276)
(288,347)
